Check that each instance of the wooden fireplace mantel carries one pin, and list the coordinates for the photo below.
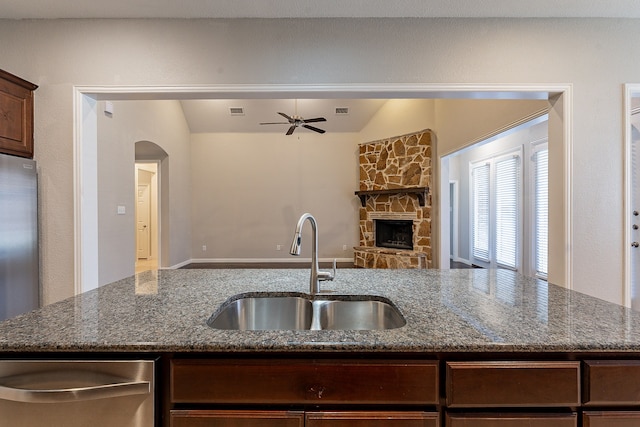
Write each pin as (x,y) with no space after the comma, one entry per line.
(421,192)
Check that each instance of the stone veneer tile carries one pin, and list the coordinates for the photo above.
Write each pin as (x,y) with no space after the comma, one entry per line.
(398,162)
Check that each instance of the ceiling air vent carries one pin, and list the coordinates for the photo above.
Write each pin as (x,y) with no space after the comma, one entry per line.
(236,111)
(342,111)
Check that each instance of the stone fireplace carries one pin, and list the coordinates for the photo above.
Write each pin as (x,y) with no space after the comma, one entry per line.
(393,233)
(395,217)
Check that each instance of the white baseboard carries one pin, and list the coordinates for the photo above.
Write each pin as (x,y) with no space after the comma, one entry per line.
(253,261)
(177,266)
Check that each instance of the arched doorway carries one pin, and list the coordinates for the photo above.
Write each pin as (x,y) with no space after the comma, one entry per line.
(151,172)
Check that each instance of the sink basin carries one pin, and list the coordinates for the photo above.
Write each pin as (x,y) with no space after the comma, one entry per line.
(355,314)
(264,313)
(304,312)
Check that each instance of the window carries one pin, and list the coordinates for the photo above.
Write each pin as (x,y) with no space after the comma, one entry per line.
(541,209)
(508,212)
(481,212)
(505,214)
(496,211)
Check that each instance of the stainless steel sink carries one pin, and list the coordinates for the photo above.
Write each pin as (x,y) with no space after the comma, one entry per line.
(304,312)
(264,313)
(361,315)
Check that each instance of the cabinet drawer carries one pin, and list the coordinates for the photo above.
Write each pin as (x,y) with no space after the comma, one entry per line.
(301,381)
(512,420)
(513,384)
(372,419)
(611,419)
(236,419)
(612,382)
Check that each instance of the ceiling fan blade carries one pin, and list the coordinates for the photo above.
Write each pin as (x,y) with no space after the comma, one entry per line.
(313,128)
(291,129)
(275,123)
(286,117)
(317,119)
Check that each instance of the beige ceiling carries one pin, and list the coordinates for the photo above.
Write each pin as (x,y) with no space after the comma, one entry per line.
(21,9)
(214,115)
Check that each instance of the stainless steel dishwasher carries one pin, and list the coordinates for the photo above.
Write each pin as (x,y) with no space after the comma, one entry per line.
(74,393)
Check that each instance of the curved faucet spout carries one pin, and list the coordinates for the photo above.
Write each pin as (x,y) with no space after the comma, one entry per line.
(316,274)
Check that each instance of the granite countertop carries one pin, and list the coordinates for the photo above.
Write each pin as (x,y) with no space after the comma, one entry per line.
(446,311)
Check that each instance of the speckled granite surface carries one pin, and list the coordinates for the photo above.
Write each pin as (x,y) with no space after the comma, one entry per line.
(457,310)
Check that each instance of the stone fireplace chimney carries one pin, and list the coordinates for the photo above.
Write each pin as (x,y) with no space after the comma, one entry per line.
(395,176)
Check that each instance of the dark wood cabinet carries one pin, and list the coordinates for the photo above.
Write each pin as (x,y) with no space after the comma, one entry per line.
(321,391)
(372,419)
(612,383)
(512,420)
(513,384)
(611,419)
(16,115)
(299,381)
(224,418)
(365,391)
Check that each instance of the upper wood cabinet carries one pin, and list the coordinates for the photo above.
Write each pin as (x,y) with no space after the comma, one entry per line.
(16,115)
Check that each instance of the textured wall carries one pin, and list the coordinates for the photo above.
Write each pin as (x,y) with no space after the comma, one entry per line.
(595,56)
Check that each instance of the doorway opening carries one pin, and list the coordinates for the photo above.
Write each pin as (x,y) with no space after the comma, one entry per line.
(147,230)
(560,140)
(453,222)
(503,202)
(632,197)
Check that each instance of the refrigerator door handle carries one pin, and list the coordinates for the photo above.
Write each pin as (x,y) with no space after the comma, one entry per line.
(37,387)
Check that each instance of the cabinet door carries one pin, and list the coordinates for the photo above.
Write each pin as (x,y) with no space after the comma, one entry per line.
(16,115)
(513,384)
(512,420)
(298,381)
(612,383)
(371,419)
(204,418)
(611,419)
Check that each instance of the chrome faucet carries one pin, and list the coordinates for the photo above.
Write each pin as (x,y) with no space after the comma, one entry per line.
(316,275)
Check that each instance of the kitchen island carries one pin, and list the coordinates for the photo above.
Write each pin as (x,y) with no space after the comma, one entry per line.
(480,348)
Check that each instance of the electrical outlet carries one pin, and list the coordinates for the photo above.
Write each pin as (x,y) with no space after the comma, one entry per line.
(204,248)
(278,247)
(344,247)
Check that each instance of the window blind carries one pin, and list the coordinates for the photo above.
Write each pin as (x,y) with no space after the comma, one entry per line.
(508,212)
(541,225)
(481,211)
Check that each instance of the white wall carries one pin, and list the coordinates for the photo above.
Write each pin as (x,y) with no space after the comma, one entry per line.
(249,189)
(162,123)
(596,56)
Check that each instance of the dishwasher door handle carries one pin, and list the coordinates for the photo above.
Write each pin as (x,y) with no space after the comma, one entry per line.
(32,388)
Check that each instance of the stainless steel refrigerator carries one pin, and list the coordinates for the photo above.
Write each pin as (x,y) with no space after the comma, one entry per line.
(19,265)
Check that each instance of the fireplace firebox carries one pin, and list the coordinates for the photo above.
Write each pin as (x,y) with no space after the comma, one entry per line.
(396,234)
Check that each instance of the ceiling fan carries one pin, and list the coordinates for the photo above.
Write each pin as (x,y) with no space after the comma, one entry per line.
(297,121)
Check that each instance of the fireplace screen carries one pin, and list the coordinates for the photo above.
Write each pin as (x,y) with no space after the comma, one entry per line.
(397,234)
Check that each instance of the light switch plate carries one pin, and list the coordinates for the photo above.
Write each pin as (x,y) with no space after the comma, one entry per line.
(122,210)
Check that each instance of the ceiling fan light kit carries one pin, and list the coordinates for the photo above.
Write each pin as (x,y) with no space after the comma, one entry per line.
(295,121)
